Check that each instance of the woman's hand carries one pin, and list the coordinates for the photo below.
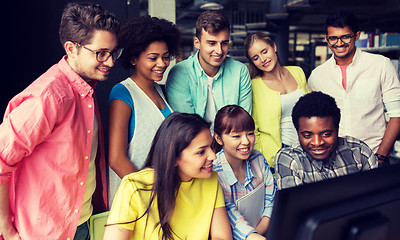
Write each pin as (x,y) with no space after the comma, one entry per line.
(262,226)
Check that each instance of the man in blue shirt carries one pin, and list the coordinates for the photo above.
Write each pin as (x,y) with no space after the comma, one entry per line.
(209,80)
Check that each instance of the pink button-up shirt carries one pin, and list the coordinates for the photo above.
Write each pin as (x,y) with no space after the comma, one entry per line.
(45,145)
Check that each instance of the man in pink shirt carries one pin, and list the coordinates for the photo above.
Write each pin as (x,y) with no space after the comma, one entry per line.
(52,165)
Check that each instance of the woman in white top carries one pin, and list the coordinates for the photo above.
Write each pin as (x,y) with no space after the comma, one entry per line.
(137,104)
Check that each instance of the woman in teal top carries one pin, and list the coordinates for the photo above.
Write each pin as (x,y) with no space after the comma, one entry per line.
(275,91)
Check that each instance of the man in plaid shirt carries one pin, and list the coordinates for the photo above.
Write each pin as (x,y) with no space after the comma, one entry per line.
(321,154)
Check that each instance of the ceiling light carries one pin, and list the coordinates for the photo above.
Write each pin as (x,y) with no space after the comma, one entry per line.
(211,6)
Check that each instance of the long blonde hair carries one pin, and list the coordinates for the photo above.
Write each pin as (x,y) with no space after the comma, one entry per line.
(248,42)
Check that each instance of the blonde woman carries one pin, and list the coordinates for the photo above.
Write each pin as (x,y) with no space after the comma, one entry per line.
(276,89)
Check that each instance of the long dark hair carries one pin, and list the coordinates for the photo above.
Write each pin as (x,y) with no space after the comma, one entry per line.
(231,118)
(174,135)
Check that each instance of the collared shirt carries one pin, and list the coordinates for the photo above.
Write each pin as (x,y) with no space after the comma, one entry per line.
(372,81)
(257,172)
(295,167)
(187,86)
(45,148)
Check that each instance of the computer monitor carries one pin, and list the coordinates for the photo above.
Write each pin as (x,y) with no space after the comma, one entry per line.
(359,206)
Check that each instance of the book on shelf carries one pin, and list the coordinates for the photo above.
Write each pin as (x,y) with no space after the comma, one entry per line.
(378,40)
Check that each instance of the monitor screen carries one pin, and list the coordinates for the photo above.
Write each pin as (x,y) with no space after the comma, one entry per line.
(364,205)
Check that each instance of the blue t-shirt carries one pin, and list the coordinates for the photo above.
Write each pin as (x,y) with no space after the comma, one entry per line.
(120,92)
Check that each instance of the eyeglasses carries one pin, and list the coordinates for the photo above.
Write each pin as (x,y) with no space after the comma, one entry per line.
(345,39)
(103,55)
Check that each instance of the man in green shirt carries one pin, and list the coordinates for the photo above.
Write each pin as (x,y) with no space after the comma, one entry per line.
(209,79)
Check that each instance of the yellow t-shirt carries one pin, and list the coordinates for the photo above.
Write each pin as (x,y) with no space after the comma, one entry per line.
(87,207)
(195,204)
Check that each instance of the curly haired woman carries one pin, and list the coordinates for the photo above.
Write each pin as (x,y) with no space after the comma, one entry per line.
(137,105)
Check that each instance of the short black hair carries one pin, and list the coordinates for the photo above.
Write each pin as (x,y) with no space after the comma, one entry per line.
(342,19)
(137,33)
(315,104)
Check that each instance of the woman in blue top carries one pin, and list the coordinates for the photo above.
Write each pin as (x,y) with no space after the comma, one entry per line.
(137,104)
(243,172)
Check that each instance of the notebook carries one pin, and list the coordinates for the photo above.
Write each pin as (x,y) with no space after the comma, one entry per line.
(251,206)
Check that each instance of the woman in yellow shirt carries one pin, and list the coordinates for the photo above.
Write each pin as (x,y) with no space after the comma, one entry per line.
(176,195)
(276,89)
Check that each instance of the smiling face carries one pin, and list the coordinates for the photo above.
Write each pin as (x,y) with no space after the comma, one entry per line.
(318,136)
(237,145)
(152,62)
(263,55)
(343,51)
(195,161)
(213,50)
(84,62)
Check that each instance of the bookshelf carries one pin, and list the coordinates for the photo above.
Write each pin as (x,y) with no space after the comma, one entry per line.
(379,40)
(381,49)
(307,50)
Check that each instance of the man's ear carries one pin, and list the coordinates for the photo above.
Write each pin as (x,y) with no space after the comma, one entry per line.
(357,36)
(70,49)
(196,42)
